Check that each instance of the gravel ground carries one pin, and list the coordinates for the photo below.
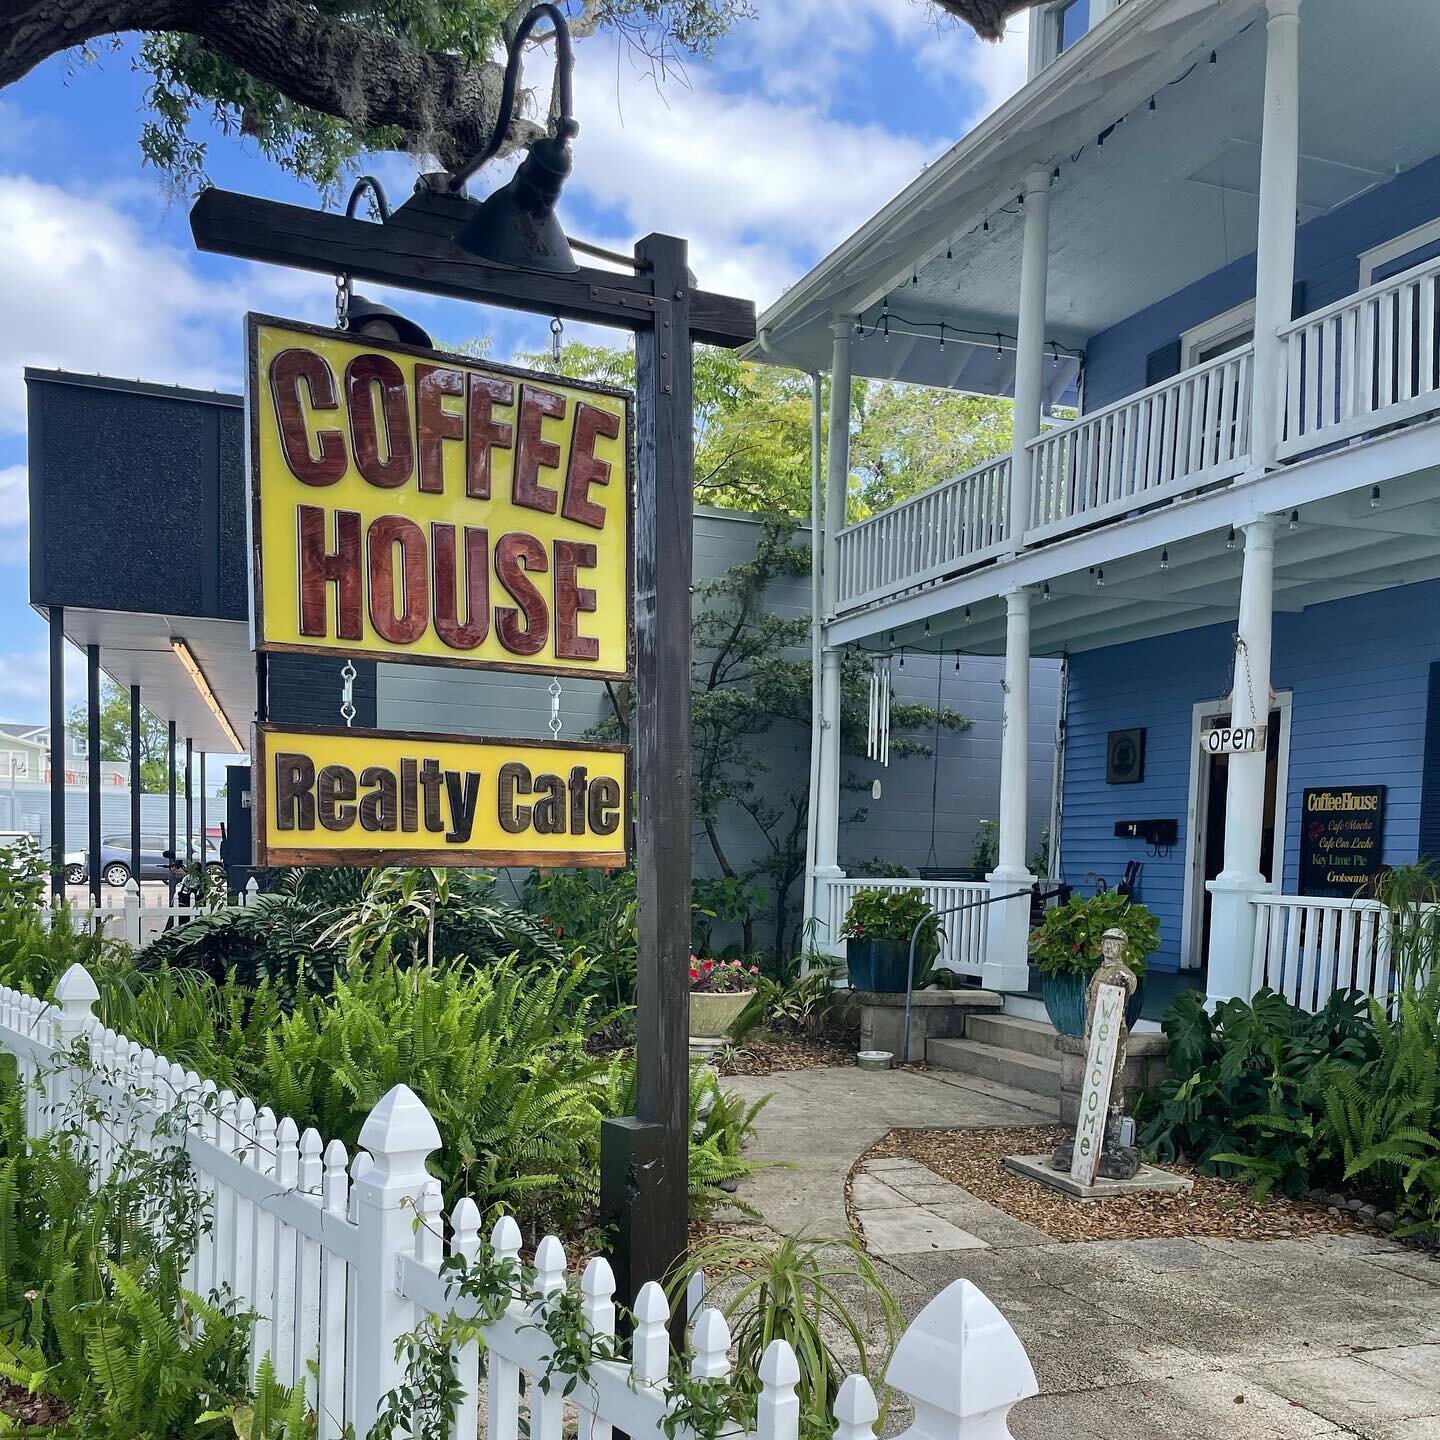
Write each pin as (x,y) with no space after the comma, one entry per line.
(769,1054)
(1217,1209)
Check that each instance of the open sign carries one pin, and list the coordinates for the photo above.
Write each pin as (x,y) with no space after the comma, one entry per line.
(1233,739)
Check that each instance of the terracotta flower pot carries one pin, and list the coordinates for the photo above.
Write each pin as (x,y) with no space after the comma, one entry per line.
(712,1013)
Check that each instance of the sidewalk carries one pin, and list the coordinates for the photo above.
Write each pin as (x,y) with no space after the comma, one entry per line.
(1189,1339)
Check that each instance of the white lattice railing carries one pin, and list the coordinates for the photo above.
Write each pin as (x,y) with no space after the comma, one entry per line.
(338,1256)
(1367,361)
(962,938)
(1308,947)
(958,523)
(1163,442)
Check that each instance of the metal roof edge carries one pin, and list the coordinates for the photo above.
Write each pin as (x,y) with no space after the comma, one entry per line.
(151,388)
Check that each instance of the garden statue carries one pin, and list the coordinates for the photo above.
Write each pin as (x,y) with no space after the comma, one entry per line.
(1104,1148)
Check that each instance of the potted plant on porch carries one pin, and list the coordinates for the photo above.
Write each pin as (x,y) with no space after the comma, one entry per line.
(719,991)
(877,931)
(1066,950)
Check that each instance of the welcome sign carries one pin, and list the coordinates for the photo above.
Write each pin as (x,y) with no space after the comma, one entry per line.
(410,505)
(333,796)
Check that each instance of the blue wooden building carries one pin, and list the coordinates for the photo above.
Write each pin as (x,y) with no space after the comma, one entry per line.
(1200,249)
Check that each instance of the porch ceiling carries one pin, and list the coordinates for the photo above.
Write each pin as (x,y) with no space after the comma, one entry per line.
(1341,546)
(1166,200)
(135,649)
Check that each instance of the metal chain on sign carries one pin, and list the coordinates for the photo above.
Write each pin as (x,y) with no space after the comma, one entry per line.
(348,673)
(1242,653)
(555,693)
(557,329)
(342,302)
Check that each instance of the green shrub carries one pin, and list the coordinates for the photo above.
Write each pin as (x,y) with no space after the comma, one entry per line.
(1068,940)
(892,914)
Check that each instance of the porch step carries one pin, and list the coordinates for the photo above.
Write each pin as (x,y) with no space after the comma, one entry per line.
(1008,1032)
(1014,1068)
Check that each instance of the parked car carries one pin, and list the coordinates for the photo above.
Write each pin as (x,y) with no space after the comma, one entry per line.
(115,859)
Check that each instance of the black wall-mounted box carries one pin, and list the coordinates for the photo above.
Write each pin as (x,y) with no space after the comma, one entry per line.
(1161,833)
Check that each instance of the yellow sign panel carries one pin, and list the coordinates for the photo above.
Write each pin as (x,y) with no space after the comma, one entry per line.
(331,796)
(409,505)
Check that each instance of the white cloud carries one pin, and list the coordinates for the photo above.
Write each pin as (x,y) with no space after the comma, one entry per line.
(14,513)
(90,288)
(25,683)
(761,189)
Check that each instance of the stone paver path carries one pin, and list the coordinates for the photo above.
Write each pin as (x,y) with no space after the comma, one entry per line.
(1185,1339)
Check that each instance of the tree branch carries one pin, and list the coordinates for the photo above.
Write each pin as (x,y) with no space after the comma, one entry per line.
(986,17)
(369,78)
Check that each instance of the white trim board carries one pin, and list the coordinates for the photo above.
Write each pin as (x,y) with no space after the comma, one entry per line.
(1194,869)
(1371,260)
(1238,320)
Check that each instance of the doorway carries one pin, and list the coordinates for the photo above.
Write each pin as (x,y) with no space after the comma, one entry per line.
(1205,836)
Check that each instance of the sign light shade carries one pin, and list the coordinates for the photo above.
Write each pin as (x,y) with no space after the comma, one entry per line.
(186,657)
(517,225)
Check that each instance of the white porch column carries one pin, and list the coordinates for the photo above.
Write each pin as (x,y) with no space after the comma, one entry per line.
(1029,345)
(1007,965)
(1232,916)
(1275,240)
(826,733)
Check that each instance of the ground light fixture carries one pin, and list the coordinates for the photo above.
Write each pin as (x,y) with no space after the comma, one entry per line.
(517,225)
(186,657)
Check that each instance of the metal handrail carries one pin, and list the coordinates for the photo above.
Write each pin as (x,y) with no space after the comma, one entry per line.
(914,938)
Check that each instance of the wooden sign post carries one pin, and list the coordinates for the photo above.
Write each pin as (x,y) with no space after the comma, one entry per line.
(644,1158)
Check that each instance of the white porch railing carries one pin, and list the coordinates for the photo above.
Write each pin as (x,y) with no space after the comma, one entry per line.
(1365,362)
(960,522)
(1170,439)
(338,1257)
(1308,947)
(962,939)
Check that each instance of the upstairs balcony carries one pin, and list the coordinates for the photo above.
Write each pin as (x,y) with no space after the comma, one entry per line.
(1366,364)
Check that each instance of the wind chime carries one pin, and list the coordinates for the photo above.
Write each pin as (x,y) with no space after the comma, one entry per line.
(877,744)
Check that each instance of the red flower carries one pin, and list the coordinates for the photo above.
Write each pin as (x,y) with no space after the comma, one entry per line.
(694,973)
(708,965)
(754,969)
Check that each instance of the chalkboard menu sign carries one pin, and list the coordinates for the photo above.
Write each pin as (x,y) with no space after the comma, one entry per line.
(1341,833)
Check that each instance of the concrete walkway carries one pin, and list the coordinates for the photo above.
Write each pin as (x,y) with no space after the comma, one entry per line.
(1188,1339)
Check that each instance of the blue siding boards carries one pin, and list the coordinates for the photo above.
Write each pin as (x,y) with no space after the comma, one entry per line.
(1358,671)
(1327,265)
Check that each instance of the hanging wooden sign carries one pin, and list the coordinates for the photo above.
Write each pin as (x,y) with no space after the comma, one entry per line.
(411,505)
(325,795)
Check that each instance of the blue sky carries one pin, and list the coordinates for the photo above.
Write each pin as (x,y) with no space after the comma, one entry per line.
(806,120)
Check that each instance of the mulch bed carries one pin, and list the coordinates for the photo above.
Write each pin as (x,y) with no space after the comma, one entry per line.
(1215,1208)
(770,1054)
(42,1411)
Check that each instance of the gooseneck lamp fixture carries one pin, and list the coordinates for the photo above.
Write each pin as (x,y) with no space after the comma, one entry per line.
(517,224)
(358,313)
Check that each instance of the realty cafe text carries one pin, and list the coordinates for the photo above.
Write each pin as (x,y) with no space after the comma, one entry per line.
(452,798)
(416,506)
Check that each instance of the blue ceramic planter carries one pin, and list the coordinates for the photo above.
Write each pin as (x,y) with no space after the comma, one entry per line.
(1064,997)
(878,964)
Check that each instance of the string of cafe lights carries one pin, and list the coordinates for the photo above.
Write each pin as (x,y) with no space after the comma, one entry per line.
(941,331)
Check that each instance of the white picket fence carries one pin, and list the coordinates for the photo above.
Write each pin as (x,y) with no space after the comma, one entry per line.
(129,919)
(1308,947)
(341,1255)
(962,935)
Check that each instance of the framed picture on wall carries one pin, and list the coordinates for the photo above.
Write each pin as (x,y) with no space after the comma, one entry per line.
(1125,757)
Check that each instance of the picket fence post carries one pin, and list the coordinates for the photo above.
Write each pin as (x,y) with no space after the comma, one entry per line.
(132,913)
(962,1366)
(252,889)
(399,1134)
(76,994)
